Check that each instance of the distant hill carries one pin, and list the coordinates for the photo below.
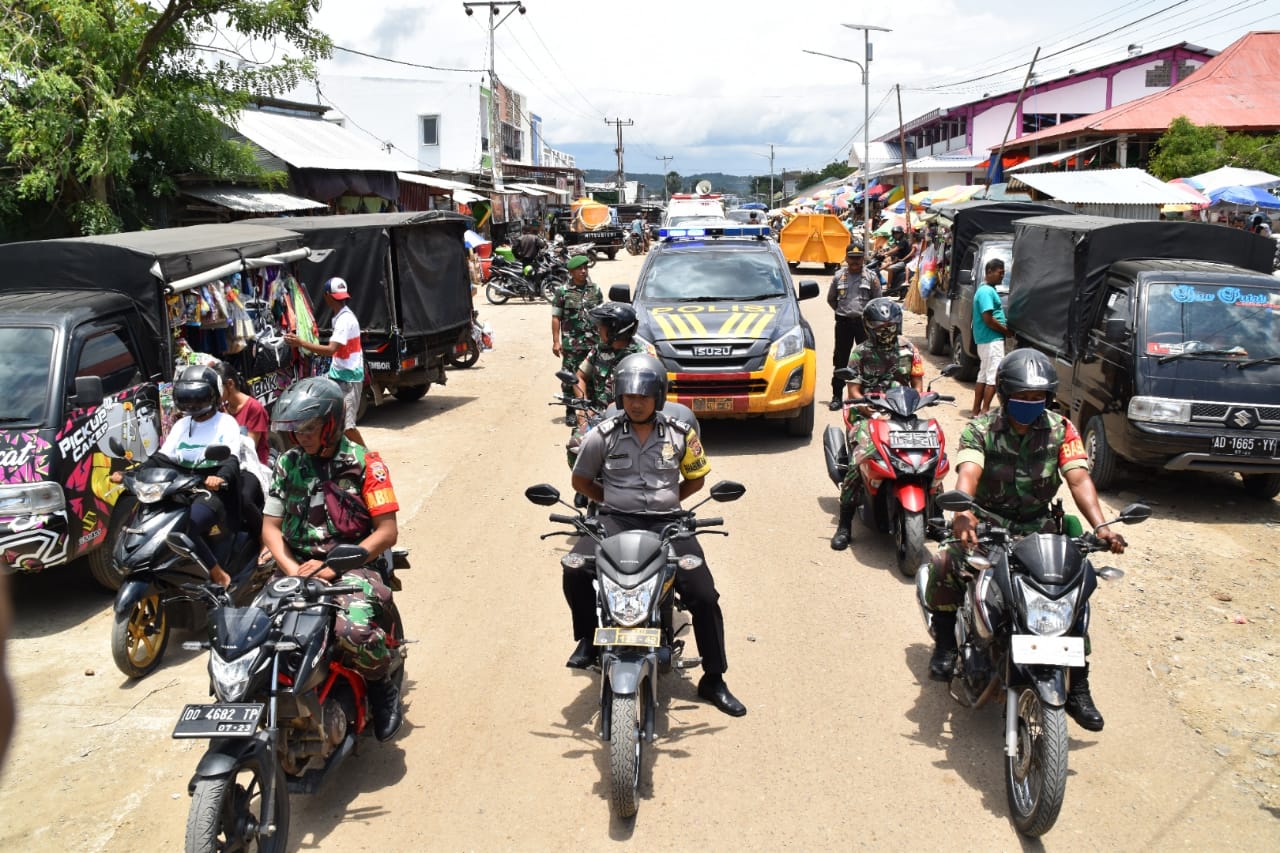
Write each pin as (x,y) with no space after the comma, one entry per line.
(720,182)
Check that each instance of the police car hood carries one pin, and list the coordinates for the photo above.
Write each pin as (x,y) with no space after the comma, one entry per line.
(682,320)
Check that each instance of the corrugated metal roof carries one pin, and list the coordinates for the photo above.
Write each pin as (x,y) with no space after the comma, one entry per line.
(433,181)
(946,163)
(316,144)
(1103,186)
(1056,157)
(252,200)
(467,197)
(1238,89)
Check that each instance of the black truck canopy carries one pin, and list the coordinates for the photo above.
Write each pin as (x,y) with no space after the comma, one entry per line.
(971,218)
(404,270)
(141,265)
(1060,265)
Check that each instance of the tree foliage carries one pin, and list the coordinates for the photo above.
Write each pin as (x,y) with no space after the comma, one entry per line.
(1188,149)
(674,182)
(104,102)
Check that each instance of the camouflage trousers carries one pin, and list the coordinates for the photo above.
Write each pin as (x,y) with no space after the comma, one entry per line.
(859,435)
(357,627)
(569,360)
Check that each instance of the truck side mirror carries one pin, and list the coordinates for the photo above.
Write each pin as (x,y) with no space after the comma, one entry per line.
(809,289)
(88,392)
(1114,330)
(619,293)
(965,278)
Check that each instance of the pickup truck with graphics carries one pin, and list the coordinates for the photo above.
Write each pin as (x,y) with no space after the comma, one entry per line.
(717,303)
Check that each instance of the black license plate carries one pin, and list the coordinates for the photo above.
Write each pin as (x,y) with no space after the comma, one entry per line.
(223,720)
(1246,445)
(911,440)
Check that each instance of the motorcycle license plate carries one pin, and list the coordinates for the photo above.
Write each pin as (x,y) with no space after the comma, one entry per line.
(1246,446)
(222,720)
(651,637)
(1051,651)
(912,440)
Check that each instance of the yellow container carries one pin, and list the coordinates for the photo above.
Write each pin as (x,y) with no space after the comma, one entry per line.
(814,238)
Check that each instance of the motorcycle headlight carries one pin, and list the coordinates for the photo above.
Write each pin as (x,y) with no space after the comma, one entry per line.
(629,607)
(1046,616)
(149,493)
(789,344)
(231,677)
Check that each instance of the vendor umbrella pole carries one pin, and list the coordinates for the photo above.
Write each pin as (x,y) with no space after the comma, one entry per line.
(907,189)
(996,167)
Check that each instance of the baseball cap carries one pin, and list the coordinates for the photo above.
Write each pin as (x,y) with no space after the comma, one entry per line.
(337,288)
(854,251)
(577,261)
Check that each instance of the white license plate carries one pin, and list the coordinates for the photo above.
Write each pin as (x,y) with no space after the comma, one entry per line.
(911,440)
(1050,651)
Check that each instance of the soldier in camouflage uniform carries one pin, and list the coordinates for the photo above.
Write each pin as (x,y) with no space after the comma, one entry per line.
(615,324)
(1012,460)
(572,331)
(327,491)
(885,360)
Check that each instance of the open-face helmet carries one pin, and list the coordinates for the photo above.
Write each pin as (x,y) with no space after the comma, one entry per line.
(310,404)
(643,374)
(618,319)
(197,391)
(882,318)
(1026,369)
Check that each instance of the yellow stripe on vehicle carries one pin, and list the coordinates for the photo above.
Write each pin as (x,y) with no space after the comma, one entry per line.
(664,322)
(758,329)
(727,328)
(698,329)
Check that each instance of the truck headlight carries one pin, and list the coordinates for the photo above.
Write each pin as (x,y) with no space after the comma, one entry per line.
(789,344)
(629,607)
(1160,410)
(31,499)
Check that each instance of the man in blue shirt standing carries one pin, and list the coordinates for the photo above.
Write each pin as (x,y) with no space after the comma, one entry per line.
(989,331)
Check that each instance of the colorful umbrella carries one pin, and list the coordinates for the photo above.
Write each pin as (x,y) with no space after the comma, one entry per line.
(1231,176)
(1246,196)
(892,196)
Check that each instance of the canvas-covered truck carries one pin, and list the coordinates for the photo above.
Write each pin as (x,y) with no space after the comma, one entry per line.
(92,330)
(1166,338)
(410,289)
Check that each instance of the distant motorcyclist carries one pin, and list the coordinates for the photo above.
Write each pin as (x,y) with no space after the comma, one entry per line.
(528,245)
(638,227)
(899,251)
(1012,460)
(885,360)
(326,491)
(572,331)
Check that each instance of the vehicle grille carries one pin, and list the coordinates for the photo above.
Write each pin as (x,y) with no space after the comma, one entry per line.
(1216,413)
(717,386)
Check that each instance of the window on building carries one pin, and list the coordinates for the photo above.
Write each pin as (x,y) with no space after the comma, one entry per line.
(430,129)
(1063,118)
(1031,122)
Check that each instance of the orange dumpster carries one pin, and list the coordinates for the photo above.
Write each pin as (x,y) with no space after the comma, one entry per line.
(814,238)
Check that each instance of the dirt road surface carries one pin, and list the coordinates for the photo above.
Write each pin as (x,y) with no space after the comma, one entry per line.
(846,743)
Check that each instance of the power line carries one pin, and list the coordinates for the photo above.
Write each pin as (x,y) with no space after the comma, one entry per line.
(410,64)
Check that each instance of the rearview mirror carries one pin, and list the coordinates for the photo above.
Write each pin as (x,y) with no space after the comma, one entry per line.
(727,490)
(543,494)
(344,558)
(619,293)
(181,544)
(567,376)
(1135,513)
(1114,329)
(949,370)
(845,374)
(88,392)
(965,278)
(809,289)
(955,500)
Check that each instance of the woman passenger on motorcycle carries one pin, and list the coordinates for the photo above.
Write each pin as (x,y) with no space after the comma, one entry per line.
(197,393)
(884,360)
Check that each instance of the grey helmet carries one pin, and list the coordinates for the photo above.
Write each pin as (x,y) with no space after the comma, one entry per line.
(640,373)
(309,403)
(1026,369)
(882,318)
(197,391)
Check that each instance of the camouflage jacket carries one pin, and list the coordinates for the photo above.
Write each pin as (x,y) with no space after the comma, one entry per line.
(599,366)
(1020,474)
(572,305)
(879,369)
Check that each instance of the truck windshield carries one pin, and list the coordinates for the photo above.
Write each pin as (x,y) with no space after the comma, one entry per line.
(713,276)
(27,354)
(1184,320)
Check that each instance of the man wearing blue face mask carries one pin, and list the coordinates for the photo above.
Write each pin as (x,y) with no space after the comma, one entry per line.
(1012,460)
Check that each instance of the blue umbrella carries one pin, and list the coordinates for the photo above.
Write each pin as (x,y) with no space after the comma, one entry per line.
(1255,196)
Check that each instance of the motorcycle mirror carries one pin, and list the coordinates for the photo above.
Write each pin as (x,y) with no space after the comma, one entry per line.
(1109,573)
(543,494)
(567,376)
(727,490)
(955,500)
(181,544)
(217,453)
(1134,513)
(116,447)
(344,558)
(950,369)
(846,374)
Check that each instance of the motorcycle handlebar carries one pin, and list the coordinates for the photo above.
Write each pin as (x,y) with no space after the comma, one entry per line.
(709,522)
(562,519)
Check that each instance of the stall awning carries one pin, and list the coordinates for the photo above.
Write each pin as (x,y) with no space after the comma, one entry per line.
(467,197)
(532,189)
(250,200)
(944,163)
(1055,158)
(433,181)
(1103,186)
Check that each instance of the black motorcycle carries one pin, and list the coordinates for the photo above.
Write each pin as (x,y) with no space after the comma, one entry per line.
(634,244)
(1021,627)
(538,280)
(287,713)
(635,582)
(150,601)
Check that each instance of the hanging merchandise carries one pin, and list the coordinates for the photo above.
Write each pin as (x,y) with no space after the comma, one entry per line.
(304,316)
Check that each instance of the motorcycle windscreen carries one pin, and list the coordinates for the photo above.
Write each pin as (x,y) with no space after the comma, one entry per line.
(236,630)
(631,557)
(1049,559)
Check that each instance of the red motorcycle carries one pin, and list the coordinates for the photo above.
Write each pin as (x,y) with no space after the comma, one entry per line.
(902,466)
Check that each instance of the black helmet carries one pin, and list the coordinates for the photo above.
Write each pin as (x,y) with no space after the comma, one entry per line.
(311,403)
(1256,219)
(640,373)
(882,318)
(1026,369)
(197,390)
(898,231)
(617,318)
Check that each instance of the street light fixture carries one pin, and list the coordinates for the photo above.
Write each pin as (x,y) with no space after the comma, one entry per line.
(865,67)
(495,141)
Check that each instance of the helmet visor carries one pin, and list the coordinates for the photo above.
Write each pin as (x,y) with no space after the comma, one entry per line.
(298,426)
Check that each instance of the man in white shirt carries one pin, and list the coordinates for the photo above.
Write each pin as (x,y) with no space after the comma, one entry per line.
(347,367)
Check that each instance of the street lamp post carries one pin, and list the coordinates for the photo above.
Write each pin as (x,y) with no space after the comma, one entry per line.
(865,67)
(495,135)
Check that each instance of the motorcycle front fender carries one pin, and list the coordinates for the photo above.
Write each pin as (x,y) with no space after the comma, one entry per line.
(912,497)
(1050,684)
(130,593)
(625,674)
(225,754)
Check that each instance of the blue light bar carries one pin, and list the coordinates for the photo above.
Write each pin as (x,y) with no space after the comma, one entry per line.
(715,231)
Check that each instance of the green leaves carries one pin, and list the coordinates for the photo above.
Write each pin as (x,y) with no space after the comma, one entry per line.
(1190,149)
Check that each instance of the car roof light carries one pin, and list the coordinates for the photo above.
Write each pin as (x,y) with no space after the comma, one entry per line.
(676,233)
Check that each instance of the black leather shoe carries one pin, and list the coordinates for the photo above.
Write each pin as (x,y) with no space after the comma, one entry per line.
(835,404)
(583,656)
(717,693)
(384,697)
(942,664)
(840,540)
(1080,707)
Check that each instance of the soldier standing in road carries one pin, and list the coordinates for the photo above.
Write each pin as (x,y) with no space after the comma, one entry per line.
(573,332)
(850,290)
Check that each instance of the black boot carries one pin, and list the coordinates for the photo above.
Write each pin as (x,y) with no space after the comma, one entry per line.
(1080,701)
(384,697)
(840,540)
(943,662)
(583,656)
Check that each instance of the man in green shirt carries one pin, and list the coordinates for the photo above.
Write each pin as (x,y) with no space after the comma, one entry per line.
(989,332)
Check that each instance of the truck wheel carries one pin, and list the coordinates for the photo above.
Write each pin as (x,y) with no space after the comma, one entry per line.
(801,426)
(936,336)
(412,393)
(968,364)
(1264,487)
(1102,459)
(611,253)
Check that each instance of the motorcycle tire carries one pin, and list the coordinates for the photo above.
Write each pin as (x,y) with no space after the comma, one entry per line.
(909,536)
(1036,777)
(218,821)
(494,295)
(466,359)
(139,638)
(549,287)
(626,748)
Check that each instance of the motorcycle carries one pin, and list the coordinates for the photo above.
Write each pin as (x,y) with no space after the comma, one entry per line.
(1021,626)
(479,338)
(594,416)
(635,582)
(287,713)
(530,283)
(902,466)
(564,252)
(150,601)
(634,244)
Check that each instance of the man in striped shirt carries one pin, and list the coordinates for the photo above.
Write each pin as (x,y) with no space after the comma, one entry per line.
(347,366)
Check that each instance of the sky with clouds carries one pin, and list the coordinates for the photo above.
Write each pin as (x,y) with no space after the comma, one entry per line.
(714,83)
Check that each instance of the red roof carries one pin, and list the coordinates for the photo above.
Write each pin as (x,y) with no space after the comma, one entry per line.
(1239,89)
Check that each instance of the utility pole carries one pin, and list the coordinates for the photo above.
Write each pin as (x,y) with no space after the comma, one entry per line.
(495,132)
(665,161)
(622,177)
(770,177)
(907,189)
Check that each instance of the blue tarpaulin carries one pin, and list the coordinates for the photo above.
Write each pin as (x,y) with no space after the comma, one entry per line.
(1256,196)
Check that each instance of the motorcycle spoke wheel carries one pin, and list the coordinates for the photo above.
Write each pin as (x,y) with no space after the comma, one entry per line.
(626,748)
(140,637)
(1036,777)
(228,813)
(494,295)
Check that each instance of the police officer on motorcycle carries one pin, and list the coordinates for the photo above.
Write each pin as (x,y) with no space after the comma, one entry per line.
(1012,460)
(638,465)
